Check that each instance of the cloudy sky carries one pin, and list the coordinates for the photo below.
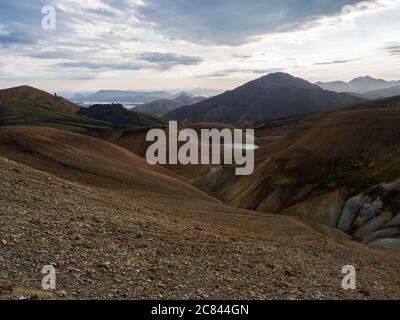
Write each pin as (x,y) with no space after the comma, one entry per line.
(183,44)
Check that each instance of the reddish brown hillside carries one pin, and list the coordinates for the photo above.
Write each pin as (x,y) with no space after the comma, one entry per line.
(356,148)
(87,159)
(25,96)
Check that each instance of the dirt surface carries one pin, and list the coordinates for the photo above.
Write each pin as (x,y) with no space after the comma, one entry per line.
(134,245)
(116,228)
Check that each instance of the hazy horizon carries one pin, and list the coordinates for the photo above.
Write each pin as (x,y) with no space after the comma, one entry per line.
(173,90)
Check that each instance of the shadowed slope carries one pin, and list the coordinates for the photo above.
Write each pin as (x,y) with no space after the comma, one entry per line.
(160,108)
(330,157)
(116,113)
(89,160)
(134,140)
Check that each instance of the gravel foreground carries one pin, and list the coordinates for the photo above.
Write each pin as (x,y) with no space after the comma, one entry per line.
(127,244)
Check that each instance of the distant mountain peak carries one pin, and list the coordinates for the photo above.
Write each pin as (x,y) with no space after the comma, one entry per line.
(183,97)
(366,78)
(184,93)
(285,80)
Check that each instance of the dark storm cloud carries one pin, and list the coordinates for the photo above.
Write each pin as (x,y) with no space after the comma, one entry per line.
(233,22)
(15,38)
(335,62)
(169,60)
(228,72)
(393,50)
(100,65)
(55,54)
(20,21)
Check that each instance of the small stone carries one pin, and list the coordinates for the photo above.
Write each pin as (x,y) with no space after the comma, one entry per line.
(365,292)
(4,242)
(290,273)
(270,266)
(5,286)
(77,237)
(281,284)
(91,274)
(106,265)
(62,293)
(74,270)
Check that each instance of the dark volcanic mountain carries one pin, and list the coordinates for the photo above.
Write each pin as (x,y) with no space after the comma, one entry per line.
(116,113)
(274,96)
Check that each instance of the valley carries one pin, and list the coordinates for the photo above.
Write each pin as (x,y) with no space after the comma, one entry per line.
(199,158)
(79,194)
(110,238)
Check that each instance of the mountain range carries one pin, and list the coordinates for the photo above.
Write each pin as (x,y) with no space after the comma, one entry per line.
(273,96)
(136,97)
(359,85)
(115,96)
(161,107)
(382,93)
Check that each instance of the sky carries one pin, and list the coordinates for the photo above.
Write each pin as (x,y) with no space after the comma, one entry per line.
(185,44)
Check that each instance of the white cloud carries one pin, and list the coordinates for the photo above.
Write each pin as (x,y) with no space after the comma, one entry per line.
(124,41)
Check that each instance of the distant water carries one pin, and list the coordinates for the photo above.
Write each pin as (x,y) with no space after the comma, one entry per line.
(128,105)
